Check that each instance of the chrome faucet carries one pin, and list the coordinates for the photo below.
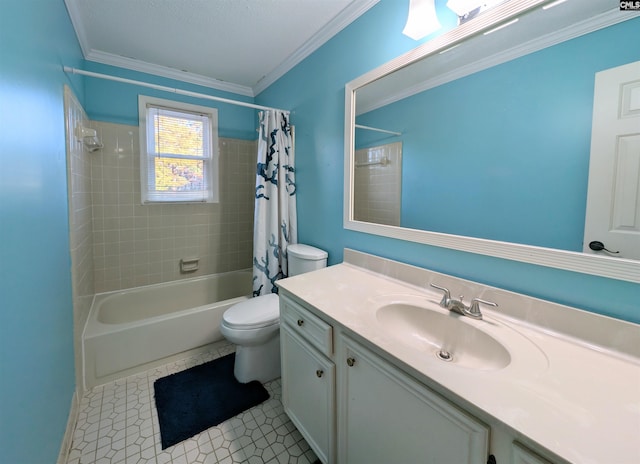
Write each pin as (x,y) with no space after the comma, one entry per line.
(458,306)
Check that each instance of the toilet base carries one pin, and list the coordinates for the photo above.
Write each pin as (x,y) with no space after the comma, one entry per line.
(258,362)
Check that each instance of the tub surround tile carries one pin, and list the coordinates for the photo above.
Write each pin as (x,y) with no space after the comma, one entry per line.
(118,424)
(220,234)
(117,243)
(80,219)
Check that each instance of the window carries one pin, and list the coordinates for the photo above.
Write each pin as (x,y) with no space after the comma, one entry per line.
(178,151)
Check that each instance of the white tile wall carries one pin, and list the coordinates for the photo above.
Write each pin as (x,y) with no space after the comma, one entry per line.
(377,187)
(135,244)
(117,243)
(80,220)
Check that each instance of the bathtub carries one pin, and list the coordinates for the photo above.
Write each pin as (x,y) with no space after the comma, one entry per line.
(129,331)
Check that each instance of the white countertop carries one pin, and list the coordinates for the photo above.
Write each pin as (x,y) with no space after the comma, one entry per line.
(577,400)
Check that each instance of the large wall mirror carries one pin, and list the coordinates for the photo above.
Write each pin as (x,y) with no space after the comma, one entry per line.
(480,140)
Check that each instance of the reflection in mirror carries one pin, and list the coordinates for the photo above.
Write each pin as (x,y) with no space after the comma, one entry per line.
(495,152)
(377,184)
(502,154)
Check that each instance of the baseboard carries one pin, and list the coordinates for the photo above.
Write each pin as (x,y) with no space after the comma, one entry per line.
(67,440)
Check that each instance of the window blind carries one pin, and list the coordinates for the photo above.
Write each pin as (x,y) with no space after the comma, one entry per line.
(179,163)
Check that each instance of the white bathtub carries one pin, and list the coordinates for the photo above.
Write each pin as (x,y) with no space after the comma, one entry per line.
(129,331)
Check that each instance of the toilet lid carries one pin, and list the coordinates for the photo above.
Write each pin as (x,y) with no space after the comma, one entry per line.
(260,311)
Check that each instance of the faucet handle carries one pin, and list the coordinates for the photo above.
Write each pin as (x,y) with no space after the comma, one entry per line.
(474,308)
(446,298)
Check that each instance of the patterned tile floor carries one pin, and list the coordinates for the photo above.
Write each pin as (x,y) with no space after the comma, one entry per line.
(118,424)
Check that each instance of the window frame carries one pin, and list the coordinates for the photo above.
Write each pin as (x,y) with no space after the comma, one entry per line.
(211,175)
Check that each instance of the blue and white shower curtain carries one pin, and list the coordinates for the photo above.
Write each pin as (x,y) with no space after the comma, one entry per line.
(275,219)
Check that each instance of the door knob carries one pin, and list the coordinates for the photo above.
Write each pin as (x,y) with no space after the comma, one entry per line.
(350,362)
(319,373)
(599,246)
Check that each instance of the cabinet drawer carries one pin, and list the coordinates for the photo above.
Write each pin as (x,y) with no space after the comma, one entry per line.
(313,329)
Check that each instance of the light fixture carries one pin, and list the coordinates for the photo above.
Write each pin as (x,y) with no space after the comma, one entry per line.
(422,19)
(469,9)
(88,137)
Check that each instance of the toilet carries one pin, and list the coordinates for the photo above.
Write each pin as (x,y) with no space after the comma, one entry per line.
(254,325)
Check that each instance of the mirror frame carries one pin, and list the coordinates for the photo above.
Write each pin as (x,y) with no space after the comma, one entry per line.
(603,266)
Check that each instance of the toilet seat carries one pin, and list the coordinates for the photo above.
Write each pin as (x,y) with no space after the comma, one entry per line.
(254,313)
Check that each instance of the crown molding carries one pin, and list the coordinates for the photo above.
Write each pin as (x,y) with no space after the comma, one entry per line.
(346,17)
(76,21)
(141,66)
(163,71)
(337,24)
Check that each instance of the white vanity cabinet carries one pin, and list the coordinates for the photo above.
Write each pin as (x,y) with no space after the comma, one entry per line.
(387,416)
(355,405)
(308,377)
(390,404)
(384,414)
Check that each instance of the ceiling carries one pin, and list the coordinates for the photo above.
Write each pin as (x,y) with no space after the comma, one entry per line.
(240,46)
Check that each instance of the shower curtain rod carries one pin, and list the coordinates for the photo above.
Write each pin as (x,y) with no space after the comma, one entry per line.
(360,126)
(188,93)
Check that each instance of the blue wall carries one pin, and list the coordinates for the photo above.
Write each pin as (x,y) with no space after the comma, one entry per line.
(479,151)
(314,91)
(116,102)
(36,40)
(36,329)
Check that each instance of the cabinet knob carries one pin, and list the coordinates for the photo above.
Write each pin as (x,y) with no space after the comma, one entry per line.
(319,373)
(350,362)
(300,322)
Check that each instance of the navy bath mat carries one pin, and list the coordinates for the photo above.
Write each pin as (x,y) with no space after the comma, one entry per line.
(206,395)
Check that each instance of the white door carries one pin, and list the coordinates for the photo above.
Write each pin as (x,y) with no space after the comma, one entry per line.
(613,198)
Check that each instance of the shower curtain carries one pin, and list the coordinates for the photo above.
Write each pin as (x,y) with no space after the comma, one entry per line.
(275,218)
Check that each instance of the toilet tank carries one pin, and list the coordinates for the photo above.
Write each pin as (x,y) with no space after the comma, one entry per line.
(305,258)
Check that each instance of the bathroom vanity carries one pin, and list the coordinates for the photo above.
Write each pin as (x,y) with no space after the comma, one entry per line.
(375,370)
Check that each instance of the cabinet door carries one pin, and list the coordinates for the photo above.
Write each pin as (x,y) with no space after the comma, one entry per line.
(388,417)
(523,455)
(308,392)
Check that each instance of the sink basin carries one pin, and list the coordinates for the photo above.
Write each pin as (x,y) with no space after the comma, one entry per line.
(447,336)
